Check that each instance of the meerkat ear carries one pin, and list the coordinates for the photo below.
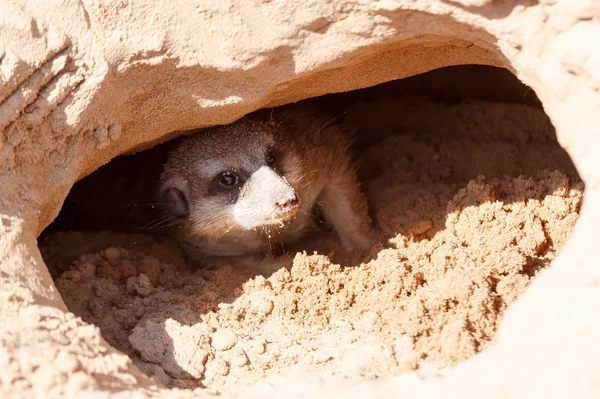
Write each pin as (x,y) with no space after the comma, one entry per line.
(174,195)
(177,202)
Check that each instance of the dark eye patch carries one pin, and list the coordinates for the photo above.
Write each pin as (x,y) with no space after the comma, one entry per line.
(226,185)
(229,180)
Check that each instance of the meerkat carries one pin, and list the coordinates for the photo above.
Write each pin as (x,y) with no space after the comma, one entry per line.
(237,194)
(245,188)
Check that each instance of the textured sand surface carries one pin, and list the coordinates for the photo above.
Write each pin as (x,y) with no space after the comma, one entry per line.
(472,203)
(84,81)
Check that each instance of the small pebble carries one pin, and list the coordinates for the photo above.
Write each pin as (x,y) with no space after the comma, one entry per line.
(420,227)
(139,284)
(128,269)
(198,363)
(67,362)
(221,367)
(239,359)
(144,287)
(73,275)
(131,284)
(139,311)
(255,347)
(111,254)
(223,340)
(96,308)
(88,270)
(265,307)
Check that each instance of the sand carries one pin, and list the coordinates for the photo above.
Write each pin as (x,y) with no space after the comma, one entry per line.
(472,201)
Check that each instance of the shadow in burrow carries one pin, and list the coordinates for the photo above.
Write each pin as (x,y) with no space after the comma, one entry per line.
(420,129)
(493,9)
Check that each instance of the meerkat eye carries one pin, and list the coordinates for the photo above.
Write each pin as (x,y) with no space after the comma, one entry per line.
(228,180)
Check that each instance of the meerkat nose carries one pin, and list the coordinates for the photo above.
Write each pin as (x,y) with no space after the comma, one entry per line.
(288,204)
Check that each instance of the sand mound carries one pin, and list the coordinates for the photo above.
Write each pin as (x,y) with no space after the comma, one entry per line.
(471,205)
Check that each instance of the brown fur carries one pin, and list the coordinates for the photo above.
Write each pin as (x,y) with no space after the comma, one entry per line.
(171,189)
(313,159)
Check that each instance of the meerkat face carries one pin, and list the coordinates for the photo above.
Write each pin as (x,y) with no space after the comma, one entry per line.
(231,179)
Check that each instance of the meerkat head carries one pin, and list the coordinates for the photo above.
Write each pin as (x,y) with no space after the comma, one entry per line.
(229,179)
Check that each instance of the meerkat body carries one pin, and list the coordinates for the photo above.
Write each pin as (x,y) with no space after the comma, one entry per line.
(249,188)
(241,193)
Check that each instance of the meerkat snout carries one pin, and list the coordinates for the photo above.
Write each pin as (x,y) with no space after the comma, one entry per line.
(266,198)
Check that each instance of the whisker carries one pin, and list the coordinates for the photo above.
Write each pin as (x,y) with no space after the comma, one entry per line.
(169,224)
(226,231)
(306,184)
(157,223)
(269,241)
(157,220)
(290,115)
(262,230)
(320,203)
(239,236)
(304,175)
(326,124)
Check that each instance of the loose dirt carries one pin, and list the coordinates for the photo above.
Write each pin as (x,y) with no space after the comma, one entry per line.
(472,201)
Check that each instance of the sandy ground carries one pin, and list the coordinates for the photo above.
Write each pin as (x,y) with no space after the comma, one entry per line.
(471,200)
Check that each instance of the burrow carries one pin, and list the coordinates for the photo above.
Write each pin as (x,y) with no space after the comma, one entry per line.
(467,185)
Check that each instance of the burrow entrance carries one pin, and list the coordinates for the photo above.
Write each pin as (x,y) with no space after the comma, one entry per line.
(465,181)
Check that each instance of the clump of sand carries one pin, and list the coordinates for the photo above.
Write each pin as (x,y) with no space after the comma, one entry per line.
(472,201)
